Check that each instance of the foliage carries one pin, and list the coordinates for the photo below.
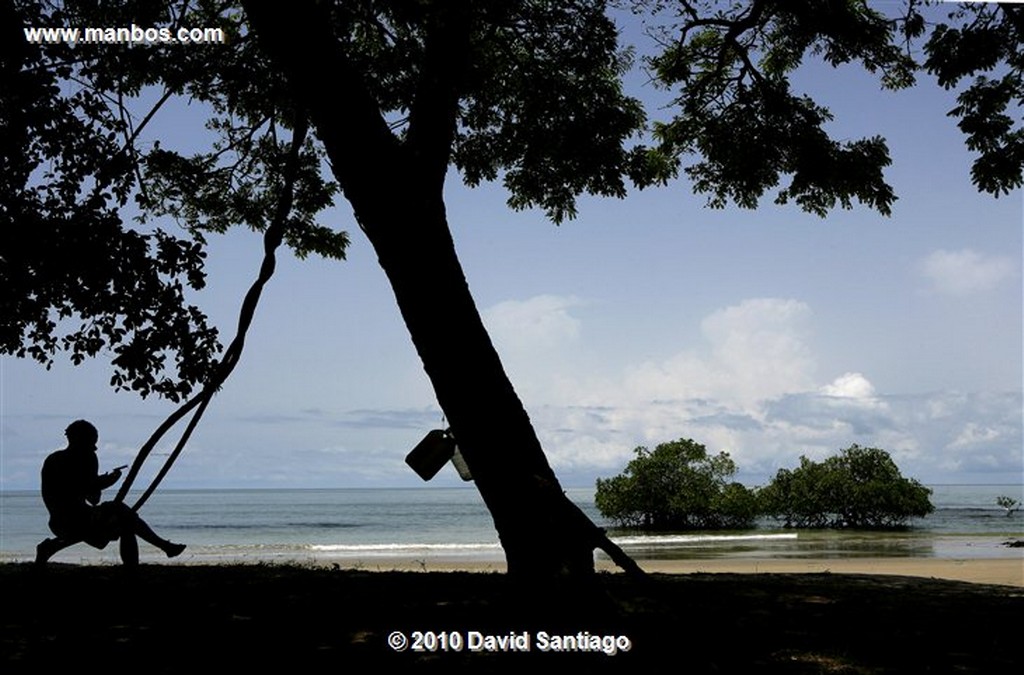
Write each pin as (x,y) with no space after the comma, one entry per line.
(677,486)
(1008,503)
(731,63)
(985,41)
(76,277)
(543,106)
(859,488)
(737,113)
(64,253)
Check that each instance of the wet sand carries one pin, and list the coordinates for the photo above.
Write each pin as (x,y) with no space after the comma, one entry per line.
(1004,571)
(1007,571)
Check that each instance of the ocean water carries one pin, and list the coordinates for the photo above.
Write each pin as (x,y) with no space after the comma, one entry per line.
(361,526)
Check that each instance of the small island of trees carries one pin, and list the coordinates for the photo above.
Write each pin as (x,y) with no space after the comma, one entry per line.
(679,486)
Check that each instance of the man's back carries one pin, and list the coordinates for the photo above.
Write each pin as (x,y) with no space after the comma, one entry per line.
(69,485)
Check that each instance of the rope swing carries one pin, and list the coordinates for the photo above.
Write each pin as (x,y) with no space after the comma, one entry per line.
(272,238)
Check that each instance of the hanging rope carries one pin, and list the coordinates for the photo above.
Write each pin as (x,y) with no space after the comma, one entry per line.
(272,238)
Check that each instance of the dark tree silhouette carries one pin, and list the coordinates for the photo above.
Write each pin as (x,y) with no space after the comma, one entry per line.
(395,185)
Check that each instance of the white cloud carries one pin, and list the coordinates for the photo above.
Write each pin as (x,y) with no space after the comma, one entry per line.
(537,339)
(965,272)
(754,351)
(929,449)
(974,436)
(758,350)
(850,390)
(850,385)
(540,322)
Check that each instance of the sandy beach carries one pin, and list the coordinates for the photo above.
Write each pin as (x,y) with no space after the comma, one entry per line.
(1001,571)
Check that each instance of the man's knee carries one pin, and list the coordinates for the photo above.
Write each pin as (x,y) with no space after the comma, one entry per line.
(115,511)
(112,520)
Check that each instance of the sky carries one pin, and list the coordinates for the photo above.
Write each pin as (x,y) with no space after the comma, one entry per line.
(768,334)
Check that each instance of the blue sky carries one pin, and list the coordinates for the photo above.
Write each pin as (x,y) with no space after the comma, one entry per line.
(769,334)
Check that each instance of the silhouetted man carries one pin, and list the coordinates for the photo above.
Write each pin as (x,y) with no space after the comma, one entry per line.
(71,491)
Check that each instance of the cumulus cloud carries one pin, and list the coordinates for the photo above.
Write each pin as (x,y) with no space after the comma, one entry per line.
(537,339)
(540,322)
(752,352)
(850,385)
(965,272)
(850,391)
(755,350)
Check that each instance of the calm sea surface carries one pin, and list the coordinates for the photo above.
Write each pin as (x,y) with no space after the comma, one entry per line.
(364,525)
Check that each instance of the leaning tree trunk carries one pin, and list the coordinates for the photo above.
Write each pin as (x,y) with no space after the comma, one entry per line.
(539,531)
(395,187)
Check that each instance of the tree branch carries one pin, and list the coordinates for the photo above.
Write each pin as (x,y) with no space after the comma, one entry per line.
(299,39)
(432,119)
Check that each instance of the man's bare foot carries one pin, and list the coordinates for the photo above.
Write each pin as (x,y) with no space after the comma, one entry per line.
(173,550)
(45,550)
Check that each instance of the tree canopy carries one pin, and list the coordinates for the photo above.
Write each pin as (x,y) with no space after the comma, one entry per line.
(79,276)
(677,486)
(749,131)
(859,488)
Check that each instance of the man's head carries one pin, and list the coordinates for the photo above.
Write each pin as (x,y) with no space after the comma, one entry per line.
(82,433)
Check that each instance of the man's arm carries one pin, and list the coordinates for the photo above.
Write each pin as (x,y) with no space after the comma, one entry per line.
(104,480)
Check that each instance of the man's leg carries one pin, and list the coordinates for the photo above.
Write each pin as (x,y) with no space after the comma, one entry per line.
(130,525)
(147,534)
(129,549)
